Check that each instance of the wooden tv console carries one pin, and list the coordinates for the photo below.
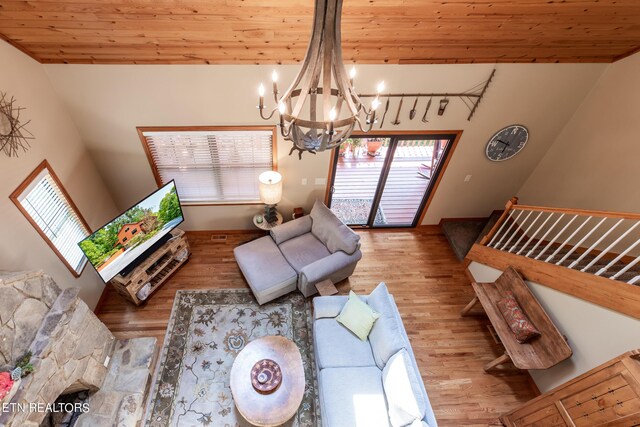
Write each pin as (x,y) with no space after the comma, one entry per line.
(155,270)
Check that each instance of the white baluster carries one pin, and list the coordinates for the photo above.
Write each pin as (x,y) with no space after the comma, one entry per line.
(515,231)
(577,245)
(618,258)
(515,221)
(504,223)
(566,241)
(545,235)
(627,268)
(592,247)
(536,233)
(525,233)
(634,280)
(611,246)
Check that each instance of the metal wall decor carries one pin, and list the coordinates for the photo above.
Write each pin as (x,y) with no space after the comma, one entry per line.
(323,85)
(471,98)
(13,135)
(313,87)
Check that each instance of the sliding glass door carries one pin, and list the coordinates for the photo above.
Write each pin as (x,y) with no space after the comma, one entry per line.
(386,181)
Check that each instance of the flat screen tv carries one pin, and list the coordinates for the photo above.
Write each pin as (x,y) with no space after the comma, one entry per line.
(123,243)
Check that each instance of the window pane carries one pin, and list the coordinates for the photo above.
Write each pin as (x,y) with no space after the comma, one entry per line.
(212,165)
(44,202)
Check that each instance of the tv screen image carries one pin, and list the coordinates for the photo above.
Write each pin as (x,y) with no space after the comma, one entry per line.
(120,243)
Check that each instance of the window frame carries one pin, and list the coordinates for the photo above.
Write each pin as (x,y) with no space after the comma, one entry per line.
(15,198)
(154,167)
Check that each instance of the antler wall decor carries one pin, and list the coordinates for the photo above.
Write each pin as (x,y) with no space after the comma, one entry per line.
(13,135)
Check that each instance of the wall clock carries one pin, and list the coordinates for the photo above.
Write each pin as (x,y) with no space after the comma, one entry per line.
(507,142)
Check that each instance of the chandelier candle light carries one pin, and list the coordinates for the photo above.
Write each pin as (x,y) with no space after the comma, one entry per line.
(270,194)
(323,65)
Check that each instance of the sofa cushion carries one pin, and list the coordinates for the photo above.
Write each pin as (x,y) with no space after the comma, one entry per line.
(402,387)
(291,229)
(357,316)
(268,274)
(353,397)
(386,336)
(337,347)
(331,231)
(303,250)
(516,319)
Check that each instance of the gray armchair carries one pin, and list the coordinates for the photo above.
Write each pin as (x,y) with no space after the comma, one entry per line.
(318,247)
(304,251)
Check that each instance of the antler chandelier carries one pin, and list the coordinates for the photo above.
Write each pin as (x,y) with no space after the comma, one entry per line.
(335,98)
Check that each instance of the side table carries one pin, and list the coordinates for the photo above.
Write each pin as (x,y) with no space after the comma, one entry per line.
(264,225)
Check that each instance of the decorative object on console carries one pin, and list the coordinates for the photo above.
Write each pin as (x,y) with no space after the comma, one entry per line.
(323,58)
(298,212)
(506,143)
(266,376)
(13,135)
(270,194)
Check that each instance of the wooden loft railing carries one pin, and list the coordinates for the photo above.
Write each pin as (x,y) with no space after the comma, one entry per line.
(593,255)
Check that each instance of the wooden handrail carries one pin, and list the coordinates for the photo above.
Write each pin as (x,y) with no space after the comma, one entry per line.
(603,286)
(586,212)
(617,296)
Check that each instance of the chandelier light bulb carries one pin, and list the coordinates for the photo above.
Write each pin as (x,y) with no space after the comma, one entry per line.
(381,87)
(261,90)
(274,76)
(352,73)
(333,114)
(282,108)
(375,104)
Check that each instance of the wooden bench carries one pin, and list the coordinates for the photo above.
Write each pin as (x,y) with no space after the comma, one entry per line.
(549,349)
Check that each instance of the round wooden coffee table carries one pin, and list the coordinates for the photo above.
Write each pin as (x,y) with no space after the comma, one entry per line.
(278,407)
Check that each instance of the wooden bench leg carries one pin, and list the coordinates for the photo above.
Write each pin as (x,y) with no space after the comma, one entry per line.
(499,361)
(468,307)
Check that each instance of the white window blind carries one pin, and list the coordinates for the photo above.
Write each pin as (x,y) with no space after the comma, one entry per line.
(212,166)
(51,212)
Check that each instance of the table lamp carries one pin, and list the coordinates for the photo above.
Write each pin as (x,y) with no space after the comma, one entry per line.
(270,194)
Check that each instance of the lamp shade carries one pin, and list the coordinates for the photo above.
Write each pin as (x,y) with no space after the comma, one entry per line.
(270,187)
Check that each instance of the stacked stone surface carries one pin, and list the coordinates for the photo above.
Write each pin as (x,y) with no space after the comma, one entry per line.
(25,299)
(69,343)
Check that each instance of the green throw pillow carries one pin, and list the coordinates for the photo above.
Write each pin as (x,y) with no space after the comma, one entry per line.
(357,316)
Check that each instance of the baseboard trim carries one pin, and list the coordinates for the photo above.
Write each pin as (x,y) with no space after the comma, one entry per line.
(103,297)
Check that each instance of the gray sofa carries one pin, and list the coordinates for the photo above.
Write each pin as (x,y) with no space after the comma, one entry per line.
(358,379)
(299,253)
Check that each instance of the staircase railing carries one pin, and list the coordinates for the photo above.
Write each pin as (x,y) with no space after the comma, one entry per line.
(594,255)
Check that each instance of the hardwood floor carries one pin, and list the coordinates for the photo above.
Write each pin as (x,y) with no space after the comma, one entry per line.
(430,289)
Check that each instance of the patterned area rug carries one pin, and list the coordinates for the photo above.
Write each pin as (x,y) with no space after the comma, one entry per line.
(206,331)
(356,211)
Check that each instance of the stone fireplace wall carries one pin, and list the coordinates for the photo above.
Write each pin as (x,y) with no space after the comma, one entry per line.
(70,345)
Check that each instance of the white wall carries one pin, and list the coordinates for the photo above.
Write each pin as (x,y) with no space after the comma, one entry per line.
(58,141)
(108,102)
(593,164)
(595,334)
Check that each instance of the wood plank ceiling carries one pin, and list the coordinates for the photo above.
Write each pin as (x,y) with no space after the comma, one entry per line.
(277,31)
